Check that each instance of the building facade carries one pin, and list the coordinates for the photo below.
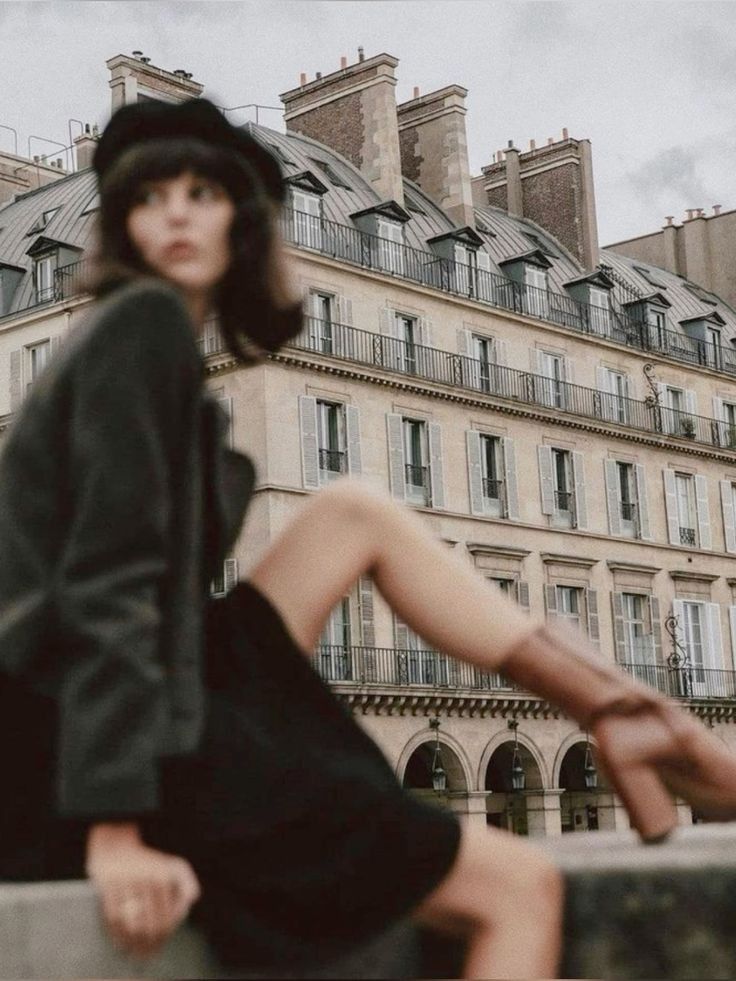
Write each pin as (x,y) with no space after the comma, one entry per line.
(561,416)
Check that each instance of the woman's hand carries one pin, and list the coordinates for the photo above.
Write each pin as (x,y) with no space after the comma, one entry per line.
(145,893)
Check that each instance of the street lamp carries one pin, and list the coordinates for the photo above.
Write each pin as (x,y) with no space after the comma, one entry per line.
(439,777)
(590,773)
(518,777)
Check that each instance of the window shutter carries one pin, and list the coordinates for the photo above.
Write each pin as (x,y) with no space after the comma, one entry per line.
(435,465)
(715,638)
(719,416)
(717,408)
(569,373)
(670,500)
(656,622)
(387,321)
(345,310)
(230,574)
(464,338)
(522,594)
(601,382)
(581,507)
(16,381)
(475,471)
(546,479)
(365,598)
(352,426)
(550,601)
(501,349)
(425,332)
(613,500)
(642,500)
(397,471)
(732,619)
(509,472)
(591,603)
(55,345)
(729,526)
(619,634)
(401,634)
(308,426)
(691,405)
(226,404)
(701,498)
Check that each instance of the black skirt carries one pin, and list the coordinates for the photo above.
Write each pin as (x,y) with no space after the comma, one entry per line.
(304,843)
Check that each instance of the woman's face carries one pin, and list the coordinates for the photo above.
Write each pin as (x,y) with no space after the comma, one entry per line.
(180,227)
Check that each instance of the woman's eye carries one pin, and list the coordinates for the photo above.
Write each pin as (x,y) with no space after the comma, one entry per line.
(148,195)
(205,192)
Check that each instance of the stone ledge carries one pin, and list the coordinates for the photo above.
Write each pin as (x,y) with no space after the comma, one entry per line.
(632,911)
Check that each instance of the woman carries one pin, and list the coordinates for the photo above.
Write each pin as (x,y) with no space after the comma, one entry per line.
(169,721)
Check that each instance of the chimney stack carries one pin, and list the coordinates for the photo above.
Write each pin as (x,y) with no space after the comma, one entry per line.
(343,62)
(354,112)
(551,185)
(716,210)
(85,144)
(434,149)
(133,78)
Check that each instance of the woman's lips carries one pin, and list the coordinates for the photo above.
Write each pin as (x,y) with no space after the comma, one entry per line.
(180,250)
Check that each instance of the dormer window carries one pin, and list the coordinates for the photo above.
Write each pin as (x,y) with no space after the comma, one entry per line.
(50,255)
(307,225)
(600,310)
(391,246)
(384,223)
(529,272)
(43,277)
(593,292)
(460,248)
(648,317)
(535,294)
(43,220)
(706,333)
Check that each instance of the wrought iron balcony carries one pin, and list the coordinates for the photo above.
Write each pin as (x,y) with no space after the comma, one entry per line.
(417,476)
(687,536)
(563,500)
(628,510)
(685,682)
(492,488)
(333,461)
(348,244)
(394,667)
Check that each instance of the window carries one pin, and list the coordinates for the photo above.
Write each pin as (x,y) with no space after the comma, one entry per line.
(627,494)
(321,322)
(675,417)
(569,604)
(331,174)
(331,440)
(541,245)
(37,358)
(406,334)
(484,356)
(729,417)
(563,483)
(552,368)
(535,291)
(44,278)
(506,586)
(600,310)
(714,354)
(638,639)
(686,513)
(425,665)
(693,636)
(650,277)
(334,644)
(614,395)
(416,466)
(391,246)
(43,221)
(307,218)
(465,269)
(492,473)
(279,153)
(657,324)
(226,578)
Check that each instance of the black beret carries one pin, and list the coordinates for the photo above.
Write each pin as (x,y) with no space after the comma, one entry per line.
(198,118)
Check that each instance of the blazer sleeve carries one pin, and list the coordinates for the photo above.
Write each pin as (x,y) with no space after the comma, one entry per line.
(136,382)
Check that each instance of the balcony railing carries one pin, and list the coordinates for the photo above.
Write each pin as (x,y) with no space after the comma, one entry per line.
(350,244)
(435,365)
(685,682)
(492,488)
(563,500)
(628,510)
(394,667)
(332,460)
(687,536)
(417,476)
(399,668)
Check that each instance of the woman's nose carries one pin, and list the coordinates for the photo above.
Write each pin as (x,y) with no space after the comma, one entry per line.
(178,208)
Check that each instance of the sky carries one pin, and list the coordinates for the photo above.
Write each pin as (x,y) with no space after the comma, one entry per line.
(651,84)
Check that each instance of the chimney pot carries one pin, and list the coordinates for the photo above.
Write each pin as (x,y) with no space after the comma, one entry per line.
(318,75)
(532,145)
(86,127)
(510,144)
(689,212)
(343,62)
(670,219)
(416,92)
(361,53)
(303,78)
(700,213)
(716,209)
(145,60)
(565,134)
(550,140)
(137,54)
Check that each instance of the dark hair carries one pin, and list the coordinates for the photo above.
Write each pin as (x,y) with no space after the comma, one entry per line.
(246,311)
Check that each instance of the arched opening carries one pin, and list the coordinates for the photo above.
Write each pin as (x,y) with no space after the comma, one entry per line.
(418,773)
(583,786)
(506,807)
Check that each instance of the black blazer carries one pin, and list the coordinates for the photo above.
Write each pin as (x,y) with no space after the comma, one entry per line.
(118,500)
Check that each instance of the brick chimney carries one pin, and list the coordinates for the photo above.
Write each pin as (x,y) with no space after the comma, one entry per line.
(85,144)
(434,149)
(134,79)
(353,110)
(554,188)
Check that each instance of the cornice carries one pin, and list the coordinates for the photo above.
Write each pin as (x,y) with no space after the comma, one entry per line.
(500,551)
(616,565)
(553,558)
(688,575)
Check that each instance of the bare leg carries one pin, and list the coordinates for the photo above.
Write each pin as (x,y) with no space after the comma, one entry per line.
(348,530)
(505,898)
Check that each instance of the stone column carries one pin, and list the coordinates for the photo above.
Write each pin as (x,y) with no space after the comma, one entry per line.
(543,812)
(612,815)
(473,814)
